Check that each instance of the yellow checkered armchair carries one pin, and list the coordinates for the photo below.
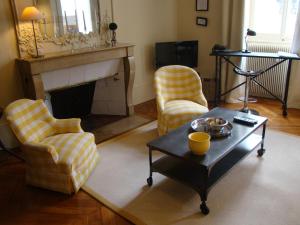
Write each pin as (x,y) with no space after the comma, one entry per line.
(179,97)
(59,155)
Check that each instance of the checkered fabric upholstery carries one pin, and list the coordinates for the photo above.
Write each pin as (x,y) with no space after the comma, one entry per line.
(59,155)
(179,97)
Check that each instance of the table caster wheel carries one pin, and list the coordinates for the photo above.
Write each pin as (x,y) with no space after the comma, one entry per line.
(260,152)
(150,181)
(204,208)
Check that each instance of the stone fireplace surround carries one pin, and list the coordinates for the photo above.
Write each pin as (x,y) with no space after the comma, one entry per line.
(112,68)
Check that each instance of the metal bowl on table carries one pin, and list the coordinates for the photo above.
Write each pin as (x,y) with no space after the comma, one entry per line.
(215,126)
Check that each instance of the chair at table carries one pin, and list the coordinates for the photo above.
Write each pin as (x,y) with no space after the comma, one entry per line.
(249,75)
(59,154)
(179,97)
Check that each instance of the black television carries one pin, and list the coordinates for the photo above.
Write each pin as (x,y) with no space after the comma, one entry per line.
(176,53)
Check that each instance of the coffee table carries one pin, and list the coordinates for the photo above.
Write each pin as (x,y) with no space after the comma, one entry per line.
(202,172)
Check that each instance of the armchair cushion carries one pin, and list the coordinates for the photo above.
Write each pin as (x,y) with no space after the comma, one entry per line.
(179,112)
(67,126)
(183,107)
(72,148)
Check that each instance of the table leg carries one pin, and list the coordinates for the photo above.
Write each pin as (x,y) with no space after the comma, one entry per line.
(149,179)
(261,151)
(219,79)
(216,80)
(203,193)
(286,89)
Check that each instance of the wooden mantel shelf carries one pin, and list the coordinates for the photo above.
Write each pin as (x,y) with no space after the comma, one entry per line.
(68,59)
(31,68)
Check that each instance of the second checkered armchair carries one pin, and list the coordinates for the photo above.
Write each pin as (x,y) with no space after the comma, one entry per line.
(179,97)
(59,155)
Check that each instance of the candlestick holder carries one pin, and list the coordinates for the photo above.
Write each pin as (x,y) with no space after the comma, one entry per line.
(113,27)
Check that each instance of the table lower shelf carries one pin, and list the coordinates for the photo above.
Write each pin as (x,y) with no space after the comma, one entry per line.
(193,175)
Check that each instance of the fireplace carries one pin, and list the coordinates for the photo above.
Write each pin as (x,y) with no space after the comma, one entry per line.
(106,73)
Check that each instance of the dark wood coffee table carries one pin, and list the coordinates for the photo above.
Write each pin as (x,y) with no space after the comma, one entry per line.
(202,172)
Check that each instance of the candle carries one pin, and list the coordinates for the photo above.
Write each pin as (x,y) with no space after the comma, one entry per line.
(45,27)
(76,20)
(112,10)
(84,21)
(99,14)
(66,19)
(98,18)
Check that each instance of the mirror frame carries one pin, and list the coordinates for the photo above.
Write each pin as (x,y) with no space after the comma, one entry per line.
(65,42)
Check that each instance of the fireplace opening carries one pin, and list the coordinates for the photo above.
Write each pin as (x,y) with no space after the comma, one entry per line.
(73,102)
(76,102)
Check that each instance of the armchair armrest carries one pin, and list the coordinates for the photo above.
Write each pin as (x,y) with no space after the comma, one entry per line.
(160,102)
(201,100)
(62,126)
(38,153)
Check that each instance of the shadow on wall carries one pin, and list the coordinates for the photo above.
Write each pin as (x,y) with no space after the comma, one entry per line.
(10,82)
(150,58)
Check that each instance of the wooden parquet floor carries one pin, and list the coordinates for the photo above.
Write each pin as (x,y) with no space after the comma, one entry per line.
(22,204)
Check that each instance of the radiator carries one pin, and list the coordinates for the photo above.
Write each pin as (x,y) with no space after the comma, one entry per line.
(274,79)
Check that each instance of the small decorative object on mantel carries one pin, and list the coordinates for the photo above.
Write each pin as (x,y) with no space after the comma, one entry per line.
(201,5)
(202,21)
(113,27)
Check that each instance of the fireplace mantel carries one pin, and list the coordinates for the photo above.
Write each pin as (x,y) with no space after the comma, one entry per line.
(31,69)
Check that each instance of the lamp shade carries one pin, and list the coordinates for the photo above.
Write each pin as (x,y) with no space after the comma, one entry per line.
(31,13)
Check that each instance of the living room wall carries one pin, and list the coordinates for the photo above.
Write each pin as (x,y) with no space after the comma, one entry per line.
(207,36)
(144,22)
(10,84)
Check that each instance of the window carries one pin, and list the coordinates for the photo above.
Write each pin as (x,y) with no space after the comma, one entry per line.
(273,20)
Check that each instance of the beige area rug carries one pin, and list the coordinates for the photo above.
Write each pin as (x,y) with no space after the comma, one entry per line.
(258,191)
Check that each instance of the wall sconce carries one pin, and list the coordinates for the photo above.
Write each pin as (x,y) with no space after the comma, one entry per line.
(32,14)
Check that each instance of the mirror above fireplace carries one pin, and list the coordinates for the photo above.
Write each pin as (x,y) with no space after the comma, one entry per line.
(65,25)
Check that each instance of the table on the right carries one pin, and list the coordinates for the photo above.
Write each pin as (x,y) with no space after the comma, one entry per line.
(227,54)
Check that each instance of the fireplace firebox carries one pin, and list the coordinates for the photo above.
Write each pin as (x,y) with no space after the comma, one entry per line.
(73,102)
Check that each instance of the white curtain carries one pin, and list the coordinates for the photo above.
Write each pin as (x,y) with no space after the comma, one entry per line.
(232,37)
(294,90)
